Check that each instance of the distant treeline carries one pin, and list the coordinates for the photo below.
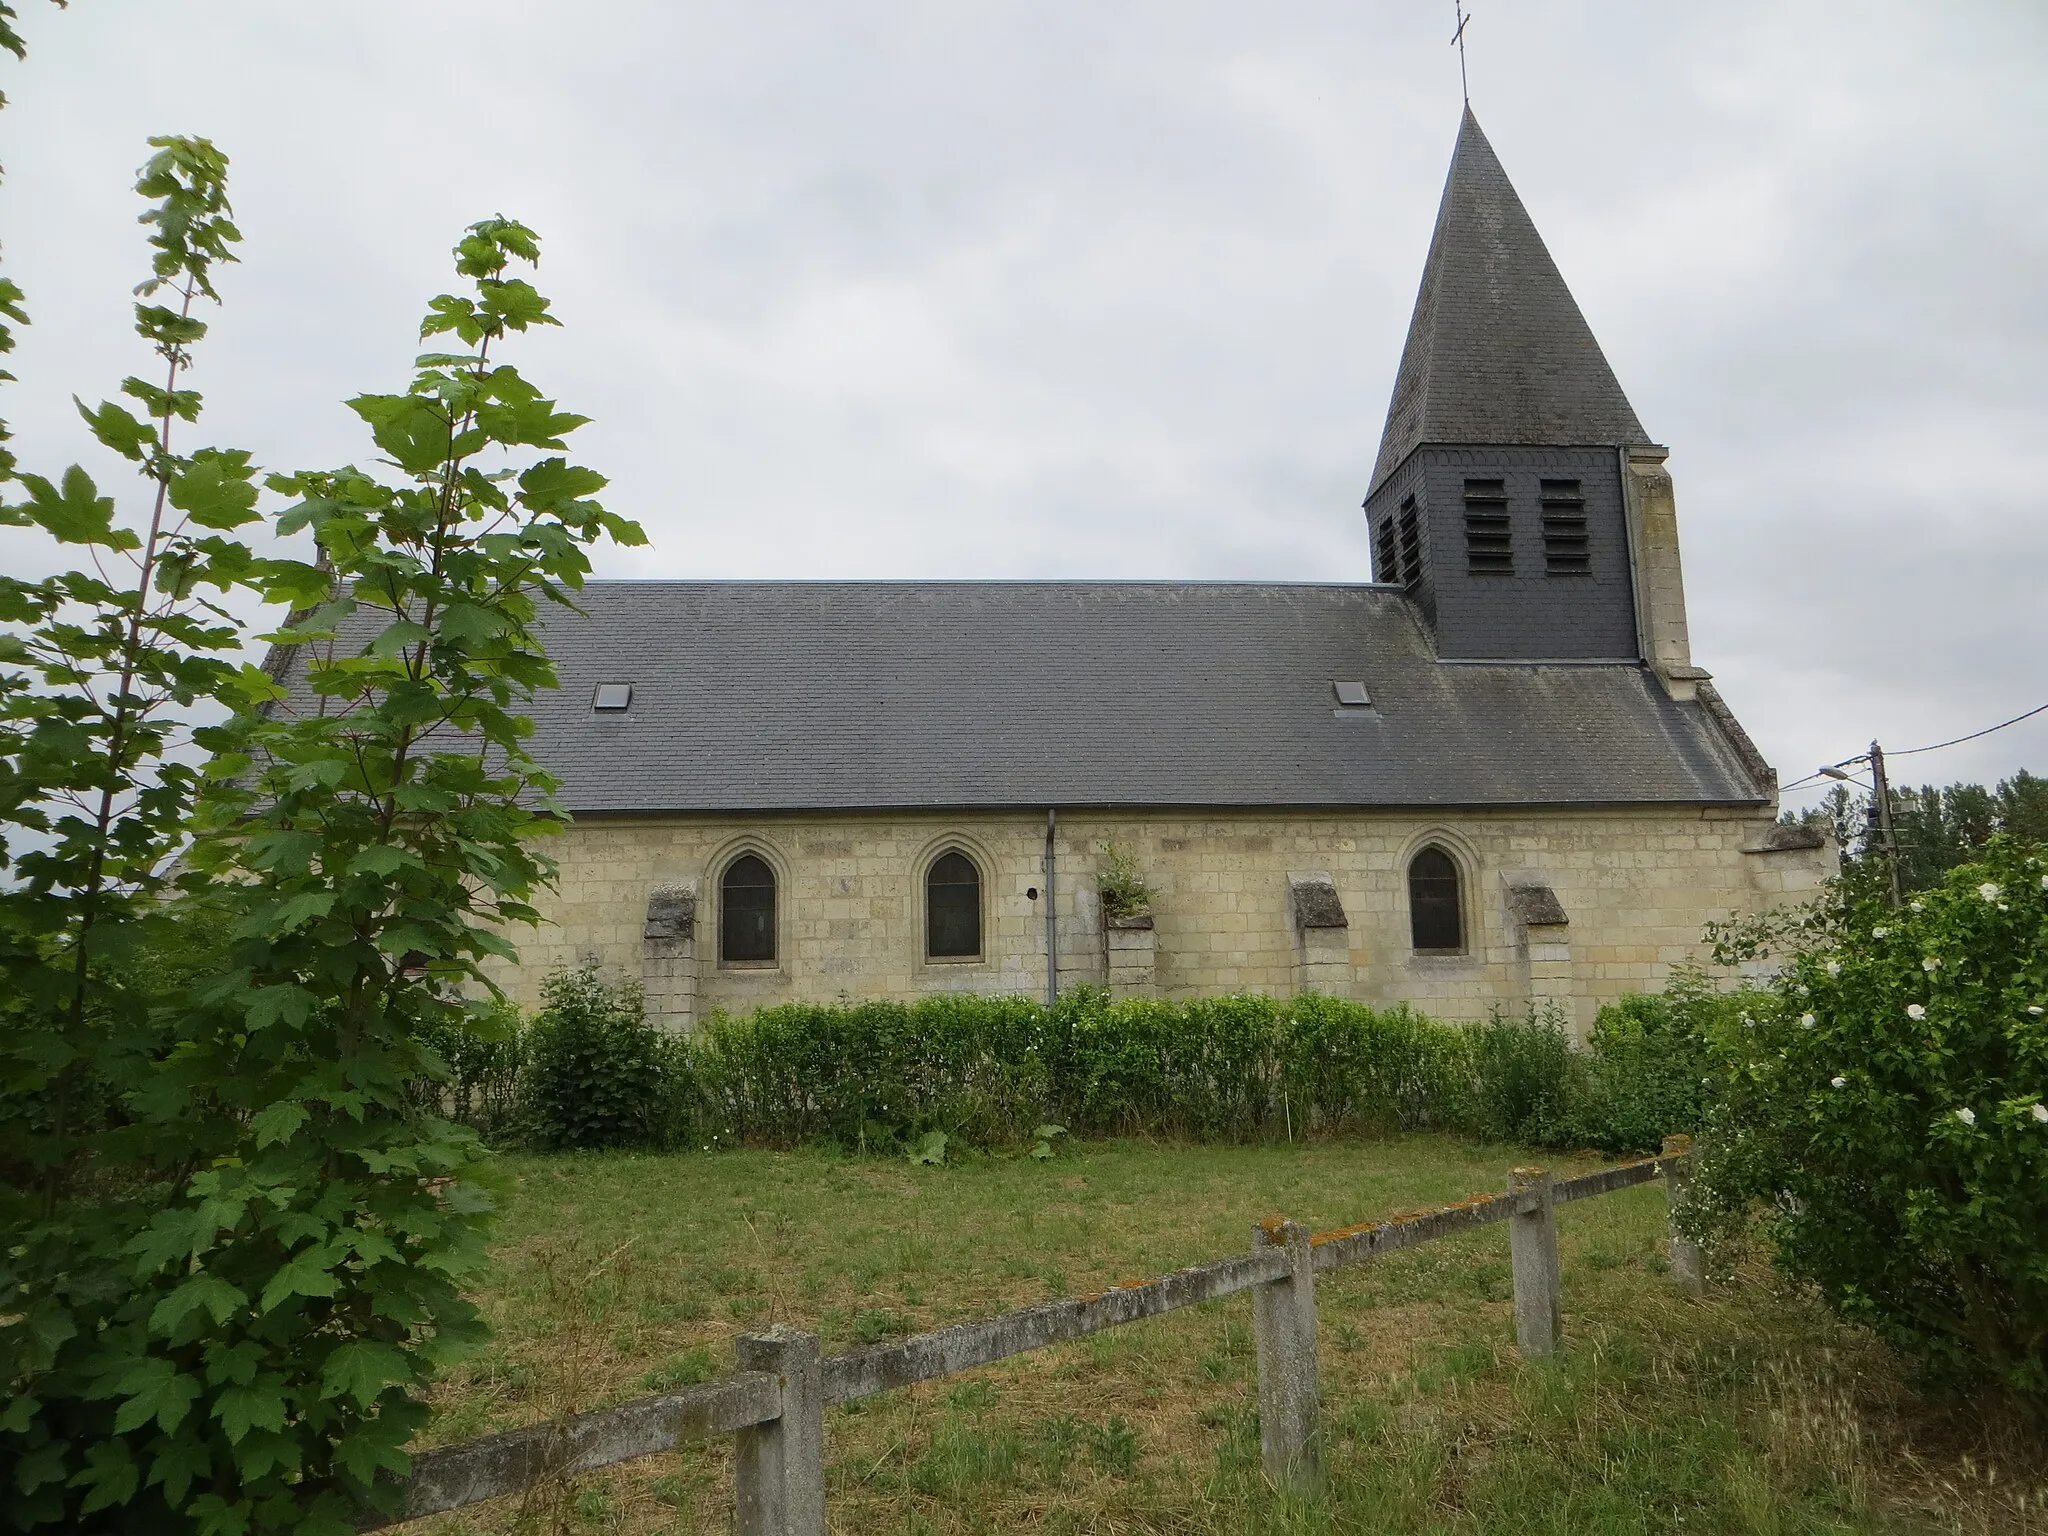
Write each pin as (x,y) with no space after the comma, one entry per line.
(1938,829)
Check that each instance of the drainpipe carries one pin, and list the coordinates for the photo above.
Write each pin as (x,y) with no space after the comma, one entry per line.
(1052,912)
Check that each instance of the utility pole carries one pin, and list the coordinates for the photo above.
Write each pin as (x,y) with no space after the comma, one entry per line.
(1881,813)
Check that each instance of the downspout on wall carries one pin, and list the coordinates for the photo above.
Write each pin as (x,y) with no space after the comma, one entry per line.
(1052,911)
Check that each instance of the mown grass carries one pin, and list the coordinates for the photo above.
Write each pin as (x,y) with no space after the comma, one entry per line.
(1751,1412)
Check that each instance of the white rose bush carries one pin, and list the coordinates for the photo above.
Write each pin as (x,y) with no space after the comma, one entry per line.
(1889,1113)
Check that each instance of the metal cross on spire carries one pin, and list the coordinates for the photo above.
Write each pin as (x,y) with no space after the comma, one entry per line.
(1458,37)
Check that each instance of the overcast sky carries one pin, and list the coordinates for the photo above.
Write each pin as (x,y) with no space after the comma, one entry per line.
(1010,290)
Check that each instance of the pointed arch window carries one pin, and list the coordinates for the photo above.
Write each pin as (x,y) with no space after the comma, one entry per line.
(1436,909)
(952,908)
(746,912)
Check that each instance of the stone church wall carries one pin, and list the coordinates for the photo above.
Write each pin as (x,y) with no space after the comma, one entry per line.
(1572,907)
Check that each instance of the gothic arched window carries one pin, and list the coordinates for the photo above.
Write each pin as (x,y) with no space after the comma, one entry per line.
(746,912)
(952,908)
(1436,913)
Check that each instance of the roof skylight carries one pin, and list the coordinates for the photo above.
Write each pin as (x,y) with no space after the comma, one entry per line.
(1352,695)
(612,696)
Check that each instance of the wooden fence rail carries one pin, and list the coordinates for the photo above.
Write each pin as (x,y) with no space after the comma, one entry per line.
(776,1399)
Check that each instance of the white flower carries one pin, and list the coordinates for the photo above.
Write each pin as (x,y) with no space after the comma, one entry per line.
(1988,891)
(2040,1112)
(1930,964)
(1919,906)
(1915,1012)
(1838,1082)
(1878,933)
(1967,1116)
(2037,1010)
(1748,1022)
(1834,967)
(2044,882)
(1806,1021)
(1803,992)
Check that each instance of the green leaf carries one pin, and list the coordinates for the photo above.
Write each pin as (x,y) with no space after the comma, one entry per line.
(220,1299)
(110,1472)
(300,910)
(467,622)
(307,1273)
(241,1409)
(553,483)
(516,303)
(118,430)
(154,1389)
(177,1463)
(362,1370)
(383,859)
(533,422)
(215,492)
(278,1122)
(76,513)
(413,429)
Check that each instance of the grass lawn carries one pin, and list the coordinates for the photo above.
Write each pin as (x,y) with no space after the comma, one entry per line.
(1750,1412)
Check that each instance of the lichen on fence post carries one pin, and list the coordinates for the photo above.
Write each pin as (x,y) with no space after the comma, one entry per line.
(779,1482)
(1284,1322)
(1688,1259)
(1532,1243)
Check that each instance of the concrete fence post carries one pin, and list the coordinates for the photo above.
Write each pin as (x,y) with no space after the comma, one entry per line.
(779,1481)
(1284,1324)
(1688,1259)
(1532,1243)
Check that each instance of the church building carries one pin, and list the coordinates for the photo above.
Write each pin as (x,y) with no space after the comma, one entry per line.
(1493,775)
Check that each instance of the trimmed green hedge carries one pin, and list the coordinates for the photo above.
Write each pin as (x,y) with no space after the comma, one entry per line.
(988,1071)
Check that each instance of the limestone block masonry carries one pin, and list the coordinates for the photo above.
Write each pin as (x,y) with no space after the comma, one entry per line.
(640,896)
(1133,948)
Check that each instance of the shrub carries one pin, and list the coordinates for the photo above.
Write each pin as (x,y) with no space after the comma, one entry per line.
(479,1085)
(1885,1102)
(596,1073)
(1647,1064)
(979,1071)
(1525,1079)
(984,1070)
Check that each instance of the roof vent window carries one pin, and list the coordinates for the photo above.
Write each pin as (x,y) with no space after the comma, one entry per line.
(1567,547)
(1489,545)
(612,697)
(1352,695)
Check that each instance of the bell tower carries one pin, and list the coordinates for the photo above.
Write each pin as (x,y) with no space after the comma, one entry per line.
(1516,497)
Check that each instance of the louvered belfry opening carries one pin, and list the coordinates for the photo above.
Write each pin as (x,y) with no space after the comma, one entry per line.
(1567,547)
(1410,556)
(952,924)
(1386,554)
(1489,542)
(1436,917)
(746,912)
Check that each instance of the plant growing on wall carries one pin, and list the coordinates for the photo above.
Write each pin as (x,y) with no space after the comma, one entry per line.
(1121,886)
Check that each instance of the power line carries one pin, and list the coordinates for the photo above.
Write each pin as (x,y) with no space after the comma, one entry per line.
(1828,772)
(2015,720)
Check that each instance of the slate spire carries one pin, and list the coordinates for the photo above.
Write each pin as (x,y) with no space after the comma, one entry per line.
(1497,352)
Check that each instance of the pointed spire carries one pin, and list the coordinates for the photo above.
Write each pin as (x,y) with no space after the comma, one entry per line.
(1497,350)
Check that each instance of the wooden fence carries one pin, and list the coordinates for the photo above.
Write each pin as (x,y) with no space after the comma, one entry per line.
(775,1401)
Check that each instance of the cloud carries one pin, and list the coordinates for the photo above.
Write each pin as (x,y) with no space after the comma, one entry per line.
(983,289)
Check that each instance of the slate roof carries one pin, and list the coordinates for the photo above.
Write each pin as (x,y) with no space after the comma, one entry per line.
(1497,350)
(837,695)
